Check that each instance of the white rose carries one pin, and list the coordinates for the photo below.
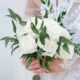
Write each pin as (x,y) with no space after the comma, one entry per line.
(65,55)
(28,29)
(21,30)
(50,47)
(28,44)
(51,54)
(53,28)
(65,33)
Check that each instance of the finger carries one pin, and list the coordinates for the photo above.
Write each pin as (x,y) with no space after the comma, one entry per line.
(34,62)
(46,71)
(58,60)
(34,67)
(24,62)
(40,70)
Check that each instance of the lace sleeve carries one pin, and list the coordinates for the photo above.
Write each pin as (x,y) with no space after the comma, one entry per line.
(72,18)
(33,8)
(72,22)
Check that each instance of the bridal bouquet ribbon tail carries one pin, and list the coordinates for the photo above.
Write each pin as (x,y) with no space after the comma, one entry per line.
(41,38)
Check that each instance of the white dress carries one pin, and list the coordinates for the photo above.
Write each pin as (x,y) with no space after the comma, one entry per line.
(72,67)
(72,22)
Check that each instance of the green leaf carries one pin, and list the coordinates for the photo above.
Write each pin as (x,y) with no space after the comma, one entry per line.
(66,48)
(16,17)
(59,18)
(77,46)
(42,24)
(36,77)
(30,60)
(63,13)
(72,34)
(65,40)
(47,66)
(23,23)
(9,39)
(44,29)
(43,1)
(42,35)
(15,43)
(62,25)
(6,39)
(42,39)
(14,49)
(36,20)
(46,14)
(25,34)
(48,58)
(77,51)
(12,14)
(58,49)
(51,8)
(47,36)
(40,51)
(34,29)
(24,56)
(14,27)
(48,2)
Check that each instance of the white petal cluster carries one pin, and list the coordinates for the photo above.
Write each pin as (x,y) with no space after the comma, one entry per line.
(28,44)
(54,30)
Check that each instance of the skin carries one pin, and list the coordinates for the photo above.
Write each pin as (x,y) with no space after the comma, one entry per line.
(34,66)
(33,7)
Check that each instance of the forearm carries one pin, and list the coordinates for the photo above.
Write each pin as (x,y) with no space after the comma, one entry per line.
(33,7)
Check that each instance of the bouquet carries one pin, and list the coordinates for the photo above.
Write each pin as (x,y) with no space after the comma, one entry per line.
(41,37)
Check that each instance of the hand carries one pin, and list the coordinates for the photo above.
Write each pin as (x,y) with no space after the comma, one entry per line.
(36,68)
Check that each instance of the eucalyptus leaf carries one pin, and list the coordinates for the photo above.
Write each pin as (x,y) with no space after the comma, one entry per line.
(14,27)
(42,38)
(36,77)
(47,36)
(48,1)
(58,49)
(34,29)
(30,60)
(14,49)
(66,48)
(16,17)
(24,56)
(41,62)
(12,14)
(23,23)
(65,40)
(6,39)
(77,51)
(51,8)
(43,35)
(43,1)
(36,20)
(46,14)
(46,65)
(40,51)
(14,44)
(48,58)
